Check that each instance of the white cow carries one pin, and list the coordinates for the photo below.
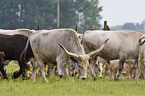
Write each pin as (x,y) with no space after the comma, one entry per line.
(121,45)
(141,68)
(60,47)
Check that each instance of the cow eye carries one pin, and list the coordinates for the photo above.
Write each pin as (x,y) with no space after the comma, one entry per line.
(74,59)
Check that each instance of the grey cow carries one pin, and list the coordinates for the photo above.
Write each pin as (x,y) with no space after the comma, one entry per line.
(60,47)
(121,45)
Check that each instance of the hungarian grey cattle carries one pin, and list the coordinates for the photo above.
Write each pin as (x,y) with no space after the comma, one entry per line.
(60,47)
(121,45)
(141,68)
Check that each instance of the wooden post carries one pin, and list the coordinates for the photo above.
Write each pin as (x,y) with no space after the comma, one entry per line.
(76,28)
(38,28)
(57,14)
(106,27)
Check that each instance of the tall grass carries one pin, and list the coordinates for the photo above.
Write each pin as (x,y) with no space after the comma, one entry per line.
(65,87)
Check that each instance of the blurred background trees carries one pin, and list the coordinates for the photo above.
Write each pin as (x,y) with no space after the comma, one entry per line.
(139,27)
(31,13)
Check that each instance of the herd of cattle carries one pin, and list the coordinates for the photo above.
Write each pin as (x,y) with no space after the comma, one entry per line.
(70,53)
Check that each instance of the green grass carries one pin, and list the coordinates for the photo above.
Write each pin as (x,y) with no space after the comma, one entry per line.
(65,87)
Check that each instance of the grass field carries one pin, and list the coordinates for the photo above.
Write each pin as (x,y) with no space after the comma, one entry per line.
(65,87)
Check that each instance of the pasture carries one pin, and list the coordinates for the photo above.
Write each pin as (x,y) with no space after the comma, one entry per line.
(65,87)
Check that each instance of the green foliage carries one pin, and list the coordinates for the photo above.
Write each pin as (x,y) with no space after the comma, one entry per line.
(30,13)
(128,26)
(118,27)
(132,26)
(88,14)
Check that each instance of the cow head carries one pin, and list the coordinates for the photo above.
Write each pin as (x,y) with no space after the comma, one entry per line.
(82,60)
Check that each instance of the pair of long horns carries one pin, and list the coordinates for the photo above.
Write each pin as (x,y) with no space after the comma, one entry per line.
(90,54)
(141,43)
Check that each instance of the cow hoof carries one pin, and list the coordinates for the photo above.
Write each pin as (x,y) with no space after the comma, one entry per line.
(60,76)
(5,77)
(16,75)
(95,78)
(116,79)
(84,78)
(25,78)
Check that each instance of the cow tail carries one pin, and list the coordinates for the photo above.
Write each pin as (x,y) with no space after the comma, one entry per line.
(23,56)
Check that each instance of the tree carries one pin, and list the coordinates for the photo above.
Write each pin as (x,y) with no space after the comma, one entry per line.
(67,13)
(129,26)
(88,14)
(27,14)
(31,13)
(8,14)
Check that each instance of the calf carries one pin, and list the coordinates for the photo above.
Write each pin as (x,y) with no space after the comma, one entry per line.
(114,66)
(128,68)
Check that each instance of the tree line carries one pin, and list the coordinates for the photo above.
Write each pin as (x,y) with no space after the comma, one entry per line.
(31,13)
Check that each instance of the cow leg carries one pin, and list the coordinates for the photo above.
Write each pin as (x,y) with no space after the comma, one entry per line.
(16,74)
(4,75)
(53,69)
(34,73)
(127,73)
(121,63)
(49,69)
(111,73)
(115,72)
(42,68)
(135,66)
(140,63)
(35,68)
(19,72)
(92,66)
(106,67)
(66,70)
(60,67)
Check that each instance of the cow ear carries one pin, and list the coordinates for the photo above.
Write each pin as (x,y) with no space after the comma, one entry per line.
(74,59)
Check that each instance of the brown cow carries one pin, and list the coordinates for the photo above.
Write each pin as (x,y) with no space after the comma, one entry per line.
(13,46)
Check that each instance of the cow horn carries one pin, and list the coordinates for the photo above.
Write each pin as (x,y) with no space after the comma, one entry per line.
(68,53)
(98,50)
(141,43)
